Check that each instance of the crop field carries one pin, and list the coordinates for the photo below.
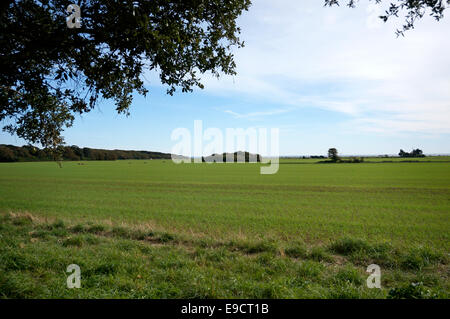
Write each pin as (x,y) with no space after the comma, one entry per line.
(154,229)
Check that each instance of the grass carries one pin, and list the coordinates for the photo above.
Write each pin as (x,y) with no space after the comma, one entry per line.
(153,229)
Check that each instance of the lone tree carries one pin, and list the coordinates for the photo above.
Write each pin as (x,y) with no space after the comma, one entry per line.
(333,154)
(50,72)
(412,10)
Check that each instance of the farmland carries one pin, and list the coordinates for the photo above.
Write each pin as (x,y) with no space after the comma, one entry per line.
(154,229)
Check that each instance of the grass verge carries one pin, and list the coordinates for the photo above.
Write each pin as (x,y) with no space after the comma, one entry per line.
(128,262)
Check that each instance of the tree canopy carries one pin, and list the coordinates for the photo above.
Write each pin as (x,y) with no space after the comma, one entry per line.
(412,9)
(50,72)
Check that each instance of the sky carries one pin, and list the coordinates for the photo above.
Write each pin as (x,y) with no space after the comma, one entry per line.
(325,77)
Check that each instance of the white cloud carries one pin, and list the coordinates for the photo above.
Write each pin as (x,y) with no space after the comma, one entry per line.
(358,65)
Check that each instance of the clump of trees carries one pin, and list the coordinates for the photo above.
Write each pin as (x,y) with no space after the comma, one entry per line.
(236,156)
(414,153)
(11,153)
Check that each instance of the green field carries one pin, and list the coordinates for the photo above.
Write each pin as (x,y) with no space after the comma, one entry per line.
(154,229)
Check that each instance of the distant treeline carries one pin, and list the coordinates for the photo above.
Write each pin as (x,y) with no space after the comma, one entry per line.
(11,153)
(413,153)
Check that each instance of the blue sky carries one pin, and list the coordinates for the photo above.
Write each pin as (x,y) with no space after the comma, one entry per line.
(326,77)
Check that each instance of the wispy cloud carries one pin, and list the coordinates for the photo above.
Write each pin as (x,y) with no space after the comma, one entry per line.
(257,114)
